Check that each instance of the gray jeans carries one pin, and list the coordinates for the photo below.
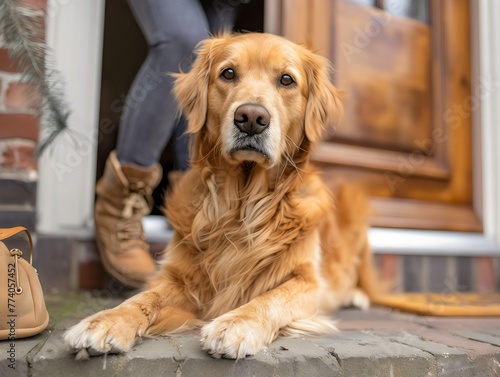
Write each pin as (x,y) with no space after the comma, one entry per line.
(172,29)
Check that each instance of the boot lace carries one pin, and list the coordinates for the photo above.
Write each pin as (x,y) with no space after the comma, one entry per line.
(130,232)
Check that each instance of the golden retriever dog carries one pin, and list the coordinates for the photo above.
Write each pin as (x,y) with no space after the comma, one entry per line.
(261,247)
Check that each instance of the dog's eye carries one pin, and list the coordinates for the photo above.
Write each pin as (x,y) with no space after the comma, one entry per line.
(228,74)
(286,80)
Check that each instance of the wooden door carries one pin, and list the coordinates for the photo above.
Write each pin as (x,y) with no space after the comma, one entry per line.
(406,134)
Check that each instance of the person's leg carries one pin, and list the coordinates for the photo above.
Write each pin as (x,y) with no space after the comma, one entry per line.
(172,29)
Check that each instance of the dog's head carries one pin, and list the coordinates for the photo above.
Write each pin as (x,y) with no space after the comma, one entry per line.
(256,98)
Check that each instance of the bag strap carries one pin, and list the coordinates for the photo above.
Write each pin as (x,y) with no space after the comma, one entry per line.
(9,232)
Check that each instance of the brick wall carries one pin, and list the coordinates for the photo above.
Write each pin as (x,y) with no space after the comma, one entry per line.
(19,128)
(19,124)
(440,274)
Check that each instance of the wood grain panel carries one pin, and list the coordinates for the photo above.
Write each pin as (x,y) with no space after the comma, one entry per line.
(387,161)
(407,132)
(383,65)
(417,214)
(297,16)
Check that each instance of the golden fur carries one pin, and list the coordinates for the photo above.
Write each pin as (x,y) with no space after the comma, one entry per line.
(260,246)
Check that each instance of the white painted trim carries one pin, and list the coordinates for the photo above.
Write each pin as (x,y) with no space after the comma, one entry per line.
(157,229)
(383,240)
(65,193)
(426,242)
(489,73)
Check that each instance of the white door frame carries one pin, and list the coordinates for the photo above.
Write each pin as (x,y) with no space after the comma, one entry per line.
(67,176)
(65,192)
(488,114)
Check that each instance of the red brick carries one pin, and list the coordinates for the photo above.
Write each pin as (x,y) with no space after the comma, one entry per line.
(484,275)
(91,272)
(19,157)
(20,96)
(36,4)
(6,64)
(23,126)
(389,270)
(92,276)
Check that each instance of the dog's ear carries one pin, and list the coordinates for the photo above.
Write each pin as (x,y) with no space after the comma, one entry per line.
(191,88)
(323,104)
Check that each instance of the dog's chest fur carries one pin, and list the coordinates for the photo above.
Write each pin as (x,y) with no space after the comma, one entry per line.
(239,231)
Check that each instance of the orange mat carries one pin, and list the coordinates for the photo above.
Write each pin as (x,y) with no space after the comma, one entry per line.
(448,304)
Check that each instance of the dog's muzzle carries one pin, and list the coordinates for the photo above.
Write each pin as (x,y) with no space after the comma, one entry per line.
(250,141)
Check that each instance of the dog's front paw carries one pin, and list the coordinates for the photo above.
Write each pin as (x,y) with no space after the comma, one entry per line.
(358,299)
(109,331)
(361,300)
(232,337)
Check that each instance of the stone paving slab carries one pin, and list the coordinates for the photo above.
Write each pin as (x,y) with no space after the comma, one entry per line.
(13,354)
(364,354)
(373,343)
(448,361)
(479,335)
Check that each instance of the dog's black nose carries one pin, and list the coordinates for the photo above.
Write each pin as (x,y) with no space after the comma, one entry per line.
(251,119)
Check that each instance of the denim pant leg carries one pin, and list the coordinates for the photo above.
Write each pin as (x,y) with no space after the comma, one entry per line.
(172,29)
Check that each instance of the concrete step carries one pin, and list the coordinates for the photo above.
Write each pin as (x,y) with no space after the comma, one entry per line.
(374,343)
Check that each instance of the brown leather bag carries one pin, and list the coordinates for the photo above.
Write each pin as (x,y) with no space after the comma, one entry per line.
(22,306)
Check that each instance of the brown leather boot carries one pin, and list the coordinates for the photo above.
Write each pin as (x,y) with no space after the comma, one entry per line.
(123,198)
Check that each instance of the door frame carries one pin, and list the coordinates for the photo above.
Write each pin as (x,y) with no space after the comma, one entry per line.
(66,183)
(483,108)
(59,213)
